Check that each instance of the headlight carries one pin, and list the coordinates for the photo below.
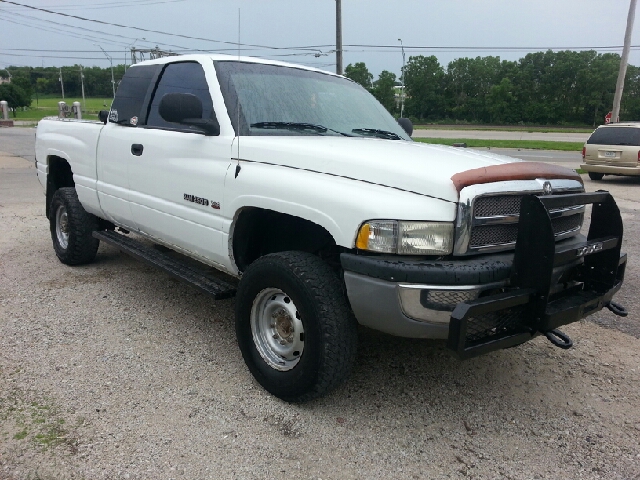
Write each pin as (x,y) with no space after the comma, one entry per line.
(406,238)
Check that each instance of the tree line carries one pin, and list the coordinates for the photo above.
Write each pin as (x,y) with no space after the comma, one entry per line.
(543,88)
(28,83)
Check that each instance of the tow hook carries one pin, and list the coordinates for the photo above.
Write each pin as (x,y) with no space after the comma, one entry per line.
(617,309)
(559,339)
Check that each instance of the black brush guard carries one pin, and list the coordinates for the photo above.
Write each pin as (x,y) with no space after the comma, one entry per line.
(532,305)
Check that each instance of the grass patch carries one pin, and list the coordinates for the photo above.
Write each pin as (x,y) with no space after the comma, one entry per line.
(91,104)
(506,128)
(526,144)
(37,423)
(48,107)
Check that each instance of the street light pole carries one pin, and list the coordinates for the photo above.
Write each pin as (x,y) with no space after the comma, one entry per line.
(113,82)
(339,37)
(402,77)
(623,62)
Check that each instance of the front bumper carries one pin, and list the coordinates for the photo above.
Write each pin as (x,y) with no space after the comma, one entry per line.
(539,287)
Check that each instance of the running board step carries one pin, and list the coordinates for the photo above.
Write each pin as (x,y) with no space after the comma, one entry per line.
(206,282)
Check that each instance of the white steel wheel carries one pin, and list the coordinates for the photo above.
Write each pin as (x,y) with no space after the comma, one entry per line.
(72,228)
(294,327)
(277,329)
(62,226)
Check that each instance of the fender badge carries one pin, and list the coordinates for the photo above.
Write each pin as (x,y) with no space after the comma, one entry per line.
(547,189)
(215,205)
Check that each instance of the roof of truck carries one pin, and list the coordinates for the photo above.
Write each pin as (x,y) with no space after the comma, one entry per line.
(219,57)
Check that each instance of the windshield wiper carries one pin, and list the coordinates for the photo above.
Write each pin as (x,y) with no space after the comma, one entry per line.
(296,126)
(374,132)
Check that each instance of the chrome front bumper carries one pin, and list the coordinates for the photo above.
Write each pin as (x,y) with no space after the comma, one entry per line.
(408,309)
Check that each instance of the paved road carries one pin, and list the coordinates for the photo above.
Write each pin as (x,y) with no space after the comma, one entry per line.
(19,142)
(501,135)
(565,159)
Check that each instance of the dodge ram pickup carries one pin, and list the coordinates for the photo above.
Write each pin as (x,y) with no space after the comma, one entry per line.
(324,214)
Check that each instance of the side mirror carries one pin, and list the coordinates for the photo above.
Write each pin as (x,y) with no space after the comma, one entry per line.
(406,125)
(103,115)
(186,109)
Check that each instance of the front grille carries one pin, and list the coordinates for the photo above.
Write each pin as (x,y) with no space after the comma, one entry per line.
(497,205)
(493,235)
(485,235)
(488,214)
(566,224)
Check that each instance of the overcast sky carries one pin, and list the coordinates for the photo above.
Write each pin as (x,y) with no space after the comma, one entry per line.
(505,28)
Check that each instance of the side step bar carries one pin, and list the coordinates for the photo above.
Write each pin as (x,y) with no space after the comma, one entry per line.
(206,282)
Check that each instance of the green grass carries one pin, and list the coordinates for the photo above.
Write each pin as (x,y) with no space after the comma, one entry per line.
(527,144)
(37,423)
(48,107)
(92,104)
(505,128)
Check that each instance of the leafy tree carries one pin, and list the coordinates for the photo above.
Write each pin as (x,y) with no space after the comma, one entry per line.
(423,79)
(384,90)
(23,82)
(15,96)
(468,81)
(359,74)
(630,106)
(500,101)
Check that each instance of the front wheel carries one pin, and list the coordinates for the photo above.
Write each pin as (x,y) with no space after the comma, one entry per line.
(294,327)
(596,176)
(72,228)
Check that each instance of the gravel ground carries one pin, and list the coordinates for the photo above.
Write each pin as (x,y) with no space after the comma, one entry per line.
(115,370)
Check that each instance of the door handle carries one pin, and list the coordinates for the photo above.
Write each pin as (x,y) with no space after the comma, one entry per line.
(136,149)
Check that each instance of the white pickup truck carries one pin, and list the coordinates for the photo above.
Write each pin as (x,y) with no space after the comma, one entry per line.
(324,214)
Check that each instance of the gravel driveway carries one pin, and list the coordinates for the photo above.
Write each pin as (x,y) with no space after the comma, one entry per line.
(115,370)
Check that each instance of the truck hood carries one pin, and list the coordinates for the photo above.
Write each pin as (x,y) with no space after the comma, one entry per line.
(411,166)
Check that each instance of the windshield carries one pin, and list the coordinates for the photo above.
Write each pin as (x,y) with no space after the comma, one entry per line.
(275,100)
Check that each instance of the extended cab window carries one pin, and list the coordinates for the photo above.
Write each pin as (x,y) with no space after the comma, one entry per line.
(183,77)
(127,108)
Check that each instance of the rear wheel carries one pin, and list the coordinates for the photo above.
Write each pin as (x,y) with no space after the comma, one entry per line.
(294,327)
(596,176)
(72,228)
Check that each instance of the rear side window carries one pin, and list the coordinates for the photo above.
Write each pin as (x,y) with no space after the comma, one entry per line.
(127,108)
(616,136)
(184,77)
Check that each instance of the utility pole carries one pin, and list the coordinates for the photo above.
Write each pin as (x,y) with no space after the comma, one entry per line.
(61,83)
(402,77)
(339,37)
(615,113)
(84,106)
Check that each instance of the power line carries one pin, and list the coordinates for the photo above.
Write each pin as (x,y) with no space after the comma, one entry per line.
(114,5)
(109,38)
(77,17)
